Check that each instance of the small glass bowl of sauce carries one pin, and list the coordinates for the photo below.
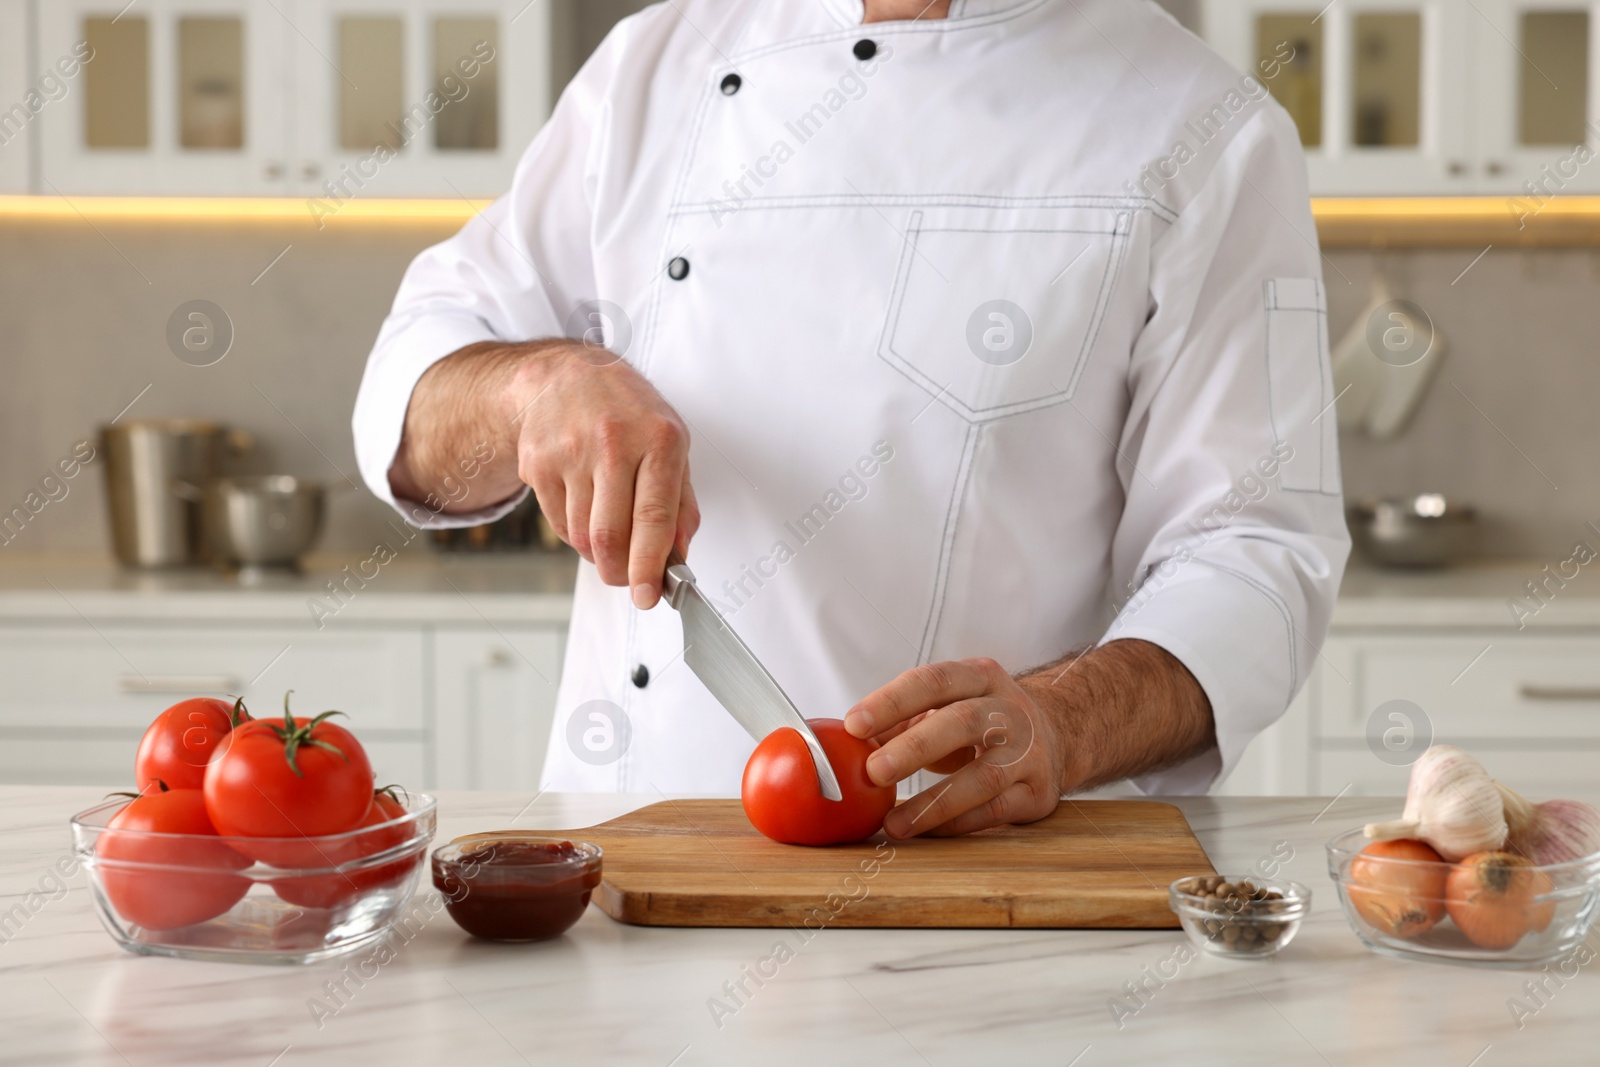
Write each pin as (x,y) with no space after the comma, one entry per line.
(509,886)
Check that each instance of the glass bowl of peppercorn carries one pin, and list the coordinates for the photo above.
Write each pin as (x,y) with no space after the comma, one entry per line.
(1240,918)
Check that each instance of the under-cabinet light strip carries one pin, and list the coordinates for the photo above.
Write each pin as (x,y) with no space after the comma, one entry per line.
(1342,222)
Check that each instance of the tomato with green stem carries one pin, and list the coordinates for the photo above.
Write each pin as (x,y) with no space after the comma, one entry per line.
(162,866)
(295,779)
(181,741)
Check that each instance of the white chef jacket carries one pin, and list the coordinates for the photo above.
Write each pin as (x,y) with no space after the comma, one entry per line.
(1005,340)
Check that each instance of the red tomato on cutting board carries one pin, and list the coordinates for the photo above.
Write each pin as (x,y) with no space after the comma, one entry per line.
(783,800)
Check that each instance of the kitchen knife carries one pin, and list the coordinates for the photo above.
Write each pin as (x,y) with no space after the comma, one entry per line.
(733,674)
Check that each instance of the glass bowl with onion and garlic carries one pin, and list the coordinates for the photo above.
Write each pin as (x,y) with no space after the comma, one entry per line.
(1472,872)
(1488,909)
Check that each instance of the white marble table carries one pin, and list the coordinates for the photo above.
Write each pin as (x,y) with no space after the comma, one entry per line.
(608,993)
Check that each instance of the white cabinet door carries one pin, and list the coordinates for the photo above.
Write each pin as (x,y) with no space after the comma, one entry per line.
(117,677)
(416,97)
(1379,88)
(1527,706)
(21,99)
(177,97)
(494,694)
(1472,686)
(1538,98)
(77,698)
(291,97)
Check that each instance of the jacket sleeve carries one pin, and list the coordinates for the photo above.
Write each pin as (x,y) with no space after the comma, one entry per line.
(1232,542)
(513,273)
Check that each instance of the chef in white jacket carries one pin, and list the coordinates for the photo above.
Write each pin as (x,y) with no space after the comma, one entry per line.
(975,353)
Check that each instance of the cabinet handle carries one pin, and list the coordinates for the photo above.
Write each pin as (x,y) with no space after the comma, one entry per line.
(309,170)
(183,684)
(273,171)
(1561,692)
(1457,168)
(499,657)
(1495,167)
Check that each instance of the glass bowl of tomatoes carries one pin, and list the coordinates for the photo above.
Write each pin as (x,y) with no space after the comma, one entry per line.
(1490,909)
(201,895)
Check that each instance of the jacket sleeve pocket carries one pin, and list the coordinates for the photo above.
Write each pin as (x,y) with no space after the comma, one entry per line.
(1300,384)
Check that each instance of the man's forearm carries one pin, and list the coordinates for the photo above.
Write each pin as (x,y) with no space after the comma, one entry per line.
(1124,708)
(466,400)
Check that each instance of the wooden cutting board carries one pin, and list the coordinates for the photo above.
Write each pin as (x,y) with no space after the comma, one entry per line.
(1093,863)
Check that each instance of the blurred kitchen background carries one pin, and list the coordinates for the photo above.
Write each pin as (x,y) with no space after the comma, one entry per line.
(1444,149)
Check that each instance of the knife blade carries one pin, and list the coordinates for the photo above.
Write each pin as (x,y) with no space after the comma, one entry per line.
(733,673)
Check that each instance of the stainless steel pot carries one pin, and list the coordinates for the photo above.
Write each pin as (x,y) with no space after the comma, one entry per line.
(152,524)
(1421,531)
(267,520)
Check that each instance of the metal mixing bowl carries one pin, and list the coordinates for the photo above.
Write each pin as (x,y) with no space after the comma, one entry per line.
(1421,531)
(264,521)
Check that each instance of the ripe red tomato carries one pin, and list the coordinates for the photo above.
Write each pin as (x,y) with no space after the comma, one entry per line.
(377,834)
(189,893)
(394,873)
(783,800)
(294,778)
(179,743)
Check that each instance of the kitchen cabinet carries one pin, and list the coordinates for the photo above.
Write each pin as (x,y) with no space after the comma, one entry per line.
(435,705)
(446,666)
(494,695)
(1377,87)
(1412,97)
(78,697)
(325,99)
(178,96)
(455,91)
(1537,91)
(1526,704)
(17,109)
(460,707)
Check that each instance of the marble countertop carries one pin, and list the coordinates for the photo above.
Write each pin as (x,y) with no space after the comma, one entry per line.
(613,994)
(419,585)
(427,586)
(1475,595)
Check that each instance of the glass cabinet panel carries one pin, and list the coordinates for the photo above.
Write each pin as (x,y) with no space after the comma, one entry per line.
(372,91)
(465,74)
(1386,108)
(1291,44)
(279,97)
(211,82)
(117,83)
(1554,92)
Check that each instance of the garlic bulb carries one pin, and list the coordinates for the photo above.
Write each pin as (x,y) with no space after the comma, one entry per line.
(1557,831)
(1451,803)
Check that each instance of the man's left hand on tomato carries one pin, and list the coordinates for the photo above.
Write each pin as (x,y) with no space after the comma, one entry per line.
(1012,746)
(971,720)
(967,719)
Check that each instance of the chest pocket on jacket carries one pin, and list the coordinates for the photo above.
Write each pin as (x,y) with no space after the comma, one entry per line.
(998,311)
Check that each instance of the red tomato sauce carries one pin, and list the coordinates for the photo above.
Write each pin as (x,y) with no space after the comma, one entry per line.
(514,889)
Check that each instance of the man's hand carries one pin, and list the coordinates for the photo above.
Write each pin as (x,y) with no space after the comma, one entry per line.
(607,457)
(972,713)
(1014,746)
